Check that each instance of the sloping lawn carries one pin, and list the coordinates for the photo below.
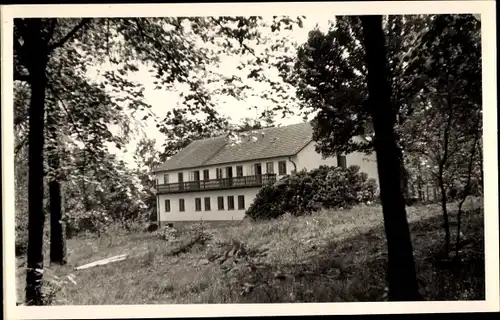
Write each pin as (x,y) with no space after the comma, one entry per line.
(334,256)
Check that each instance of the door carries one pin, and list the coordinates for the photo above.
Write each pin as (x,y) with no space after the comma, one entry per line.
(196,179)
(258,172)
(229,175)
(180,180)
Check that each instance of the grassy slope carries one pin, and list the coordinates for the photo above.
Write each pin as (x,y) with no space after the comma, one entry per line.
(328,257)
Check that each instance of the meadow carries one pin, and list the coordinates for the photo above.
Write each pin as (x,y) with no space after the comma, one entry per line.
(330,256)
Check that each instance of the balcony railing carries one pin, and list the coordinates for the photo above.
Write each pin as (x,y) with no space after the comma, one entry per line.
(217,184)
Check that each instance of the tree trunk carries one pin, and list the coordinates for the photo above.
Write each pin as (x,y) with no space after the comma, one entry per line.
(446,222)
(57,236)
(466,190)
(401,274)
(36,66)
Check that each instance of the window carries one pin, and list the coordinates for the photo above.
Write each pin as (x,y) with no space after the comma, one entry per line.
(229,172)
(182,207)
(219,173)
(239,171)
(194,176)
(165,178)
(207,203)
(341,160)
(197,204)
(167,205)
(180,177)
(269,167)
(241,202)
(220,203)
(230,202)
(206,174)
(257,169)
(282,168)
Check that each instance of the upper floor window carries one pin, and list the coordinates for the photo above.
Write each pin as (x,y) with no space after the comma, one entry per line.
(165,178)
(269,167)
(282,168)
(180,177)
(194,176)
(206,174)
(257,169)
(239,171)
(219,173)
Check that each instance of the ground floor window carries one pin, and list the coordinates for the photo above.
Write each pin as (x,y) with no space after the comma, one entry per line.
(220,203)
(197,204)
(167,205)
(241,202)
(207,203)
(230,202)
(181,205)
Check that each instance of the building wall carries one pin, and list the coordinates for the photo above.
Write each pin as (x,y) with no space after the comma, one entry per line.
(190,214)
(366,163)
(308,158)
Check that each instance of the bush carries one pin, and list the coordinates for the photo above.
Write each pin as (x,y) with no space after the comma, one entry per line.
(306,192)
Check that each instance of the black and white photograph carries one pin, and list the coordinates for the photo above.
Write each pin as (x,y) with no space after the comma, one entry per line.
(271,155)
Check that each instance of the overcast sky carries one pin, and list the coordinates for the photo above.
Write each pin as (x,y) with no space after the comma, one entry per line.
(162,101)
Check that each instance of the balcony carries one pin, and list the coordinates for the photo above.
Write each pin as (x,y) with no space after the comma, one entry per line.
(217,184)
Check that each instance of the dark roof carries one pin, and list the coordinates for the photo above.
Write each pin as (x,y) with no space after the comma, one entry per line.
(271,142)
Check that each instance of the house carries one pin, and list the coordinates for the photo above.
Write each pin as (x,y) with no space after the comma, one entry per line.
(214,179)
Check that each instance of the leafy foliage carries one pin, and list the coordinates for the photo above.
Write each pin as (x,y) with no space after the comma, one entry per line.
(305,192)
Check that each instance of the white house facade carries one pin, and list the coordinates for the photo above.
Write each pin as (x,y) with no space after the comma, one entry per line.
(213,179)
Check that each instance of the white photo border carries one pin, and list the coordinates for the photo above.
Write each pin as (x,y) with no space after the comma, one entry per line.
(486,10)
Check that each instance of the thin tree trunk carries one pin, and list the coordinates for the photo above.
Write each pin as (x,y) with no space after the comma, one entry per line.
(442,164)
(36,67)
(466,190)
(446,222)
(401,273)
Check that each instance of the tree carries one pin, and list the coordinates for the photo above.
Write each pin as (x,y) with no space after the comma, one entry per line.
(35,35)
(401,274)
(448,58)
(169,45)
(330,75)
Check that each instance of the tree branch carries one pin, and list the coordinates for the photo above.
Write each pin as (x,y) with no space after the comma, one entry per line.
(144,35)
(73,122)
(21,145)
(70,34)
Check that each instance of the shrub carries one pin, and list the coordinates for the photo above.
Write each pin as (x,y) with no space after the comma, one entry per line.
(306,192)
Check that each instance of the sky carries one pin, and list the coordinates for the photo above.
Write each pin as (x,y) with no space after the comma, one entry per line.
(162,101)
